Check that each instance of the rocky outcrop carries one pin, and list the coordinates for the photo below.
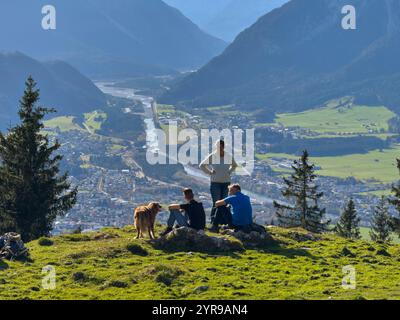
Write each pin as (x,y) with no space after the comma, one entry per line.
(187,239)
(259,237)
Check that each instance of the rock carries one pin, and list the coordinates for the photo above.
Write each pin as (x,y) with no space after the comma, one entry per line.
(383,252)
(347,253)
(254,238)
(187,239)
(201,289)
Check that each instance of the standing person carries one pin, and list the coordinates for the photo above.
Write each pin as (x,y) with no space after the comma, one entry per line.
(190,214)
(219,165)
(242,211)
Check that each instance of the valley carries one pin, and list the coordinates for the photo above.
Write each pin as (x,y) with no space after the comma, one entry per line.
(119,159)
(107,109)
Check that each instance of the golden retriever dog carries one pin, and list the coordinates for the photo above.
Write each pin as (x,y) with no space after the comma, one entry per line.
(145,217)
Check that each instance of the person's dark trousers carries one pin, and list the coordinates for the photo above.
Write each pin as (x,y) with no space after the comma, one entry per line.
(245,229)
(223,216)
(218,191)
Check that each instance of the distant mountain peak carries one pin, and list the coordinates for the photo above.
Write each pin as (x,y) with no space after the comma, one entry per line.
(110,38)
(299,56)
(61,86)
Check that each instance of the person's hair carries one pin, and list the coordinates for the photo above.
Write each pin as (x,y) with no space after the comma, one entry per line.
(235,186)
(188,193)
(220,143)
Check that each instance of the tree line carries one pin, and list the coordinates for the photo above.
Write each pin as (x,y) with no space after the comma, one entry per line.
(306,212)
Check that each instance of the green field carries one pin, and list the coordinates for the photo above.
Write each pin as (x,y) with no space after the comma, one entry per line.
(101,266)
(64,123)
(378,193)
(366,236)
(345,120)
(374,165)
(94,120)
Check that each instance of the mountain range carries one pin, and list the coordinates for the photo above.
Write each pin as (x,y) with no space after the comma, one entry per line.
(299,56)
(61,86)
(225,19)
(108,38)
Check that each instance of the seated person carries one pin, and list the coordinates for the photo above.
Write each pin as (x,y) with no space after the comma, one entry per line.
(241,217)
(191,214)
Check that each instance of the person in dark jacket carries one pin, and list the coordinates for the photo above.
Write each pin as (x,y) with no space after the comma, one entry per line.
(190,214)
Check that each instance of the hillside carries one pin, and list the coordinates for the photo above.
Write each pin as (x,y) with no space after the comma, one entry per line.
(100,266)
(225,19)
(61,86)
(298,57)
(114,38)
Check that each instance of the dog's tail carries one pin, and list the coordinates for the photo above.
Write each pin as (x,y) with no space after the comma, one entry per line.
(139,221)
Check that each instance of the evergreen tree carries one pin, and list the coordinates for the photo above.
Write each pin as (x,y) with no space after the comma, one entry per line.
(33,192)
(301,187)
(348,224)
(381,223)
(395,201)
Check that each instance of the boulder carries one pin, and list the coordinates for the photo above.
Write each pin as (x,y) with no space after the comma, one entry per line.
(303,237)
(257,237)
(188,239)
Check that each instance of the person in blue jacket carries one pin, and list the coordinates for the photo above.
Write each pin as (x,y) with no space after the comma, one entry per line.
(241,215)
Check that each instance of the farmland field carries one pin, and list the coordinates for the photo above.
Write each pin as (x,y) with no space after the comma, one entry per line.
(375,165)
(332,119)
(64,123)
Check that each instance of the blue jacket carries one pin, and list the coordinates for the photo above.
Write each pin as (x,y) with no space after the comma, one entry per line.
(242,212)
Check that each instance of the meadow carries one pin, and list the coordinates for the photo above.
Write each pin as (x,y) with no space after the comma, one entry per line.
(378,166)
(340,120)
(63,123)
(110,264)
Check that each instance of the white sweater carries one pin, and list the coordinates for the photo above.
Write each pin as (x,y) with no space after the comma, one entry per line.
(219,169)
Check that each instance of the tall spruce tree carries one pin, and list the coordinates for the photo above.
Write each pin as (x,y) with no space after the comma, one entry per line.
(33,192)
(301,188)
(381,222)
(348,224)
(395,201)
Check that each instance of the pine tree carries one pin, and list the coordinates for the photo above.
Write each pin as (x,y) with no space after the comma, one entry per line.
(348,224)
(395,201)
(33,192)
(301,187)
(381,223)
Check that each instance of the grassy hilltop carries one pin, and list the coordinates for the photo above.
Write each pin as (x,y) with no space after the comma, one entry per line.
(112,265)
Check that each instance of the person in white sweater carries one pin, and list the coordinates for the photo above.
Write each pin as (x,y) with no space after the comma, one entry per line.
(219,165)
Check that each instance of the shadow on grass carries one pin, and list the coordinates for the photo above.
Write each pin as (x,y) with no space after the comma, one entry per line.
(3,265)
(290,253)
(194,248)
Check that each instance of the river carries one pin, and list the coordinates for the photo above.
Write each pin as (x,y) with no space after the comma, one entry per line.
(152,142)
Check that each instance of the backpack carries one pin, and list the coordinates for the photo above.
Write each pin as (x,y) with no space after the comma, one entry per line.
(12,247)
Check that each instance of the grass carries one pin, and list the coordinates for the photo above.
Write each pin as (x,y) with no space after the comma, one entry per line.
(332,119)
(377,193)
(165,109)
(63,123)
(94,120)
(376,165)
(366,236)
(100,266)
(117,147)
